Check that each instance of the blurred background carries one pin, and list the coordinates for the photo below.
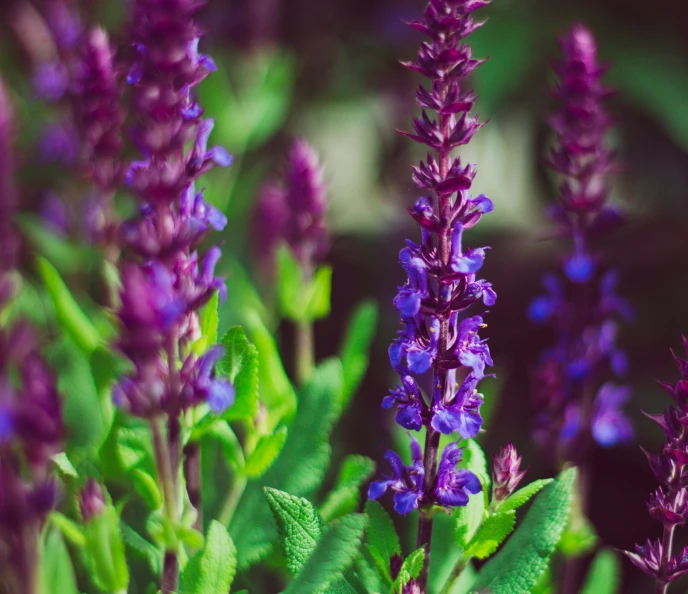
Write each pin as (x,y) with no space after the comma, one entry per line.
(329,71)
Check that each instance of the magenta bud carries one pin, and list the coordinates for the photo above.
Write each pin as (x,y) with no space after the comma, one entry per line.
(505,473)
(91,500)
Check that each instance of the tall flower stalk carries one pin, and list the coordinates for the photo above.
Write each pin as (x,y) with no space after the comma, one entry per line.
(669,503)
(31,427)
(165,281)
(436,340)
(577,398)
(293,213)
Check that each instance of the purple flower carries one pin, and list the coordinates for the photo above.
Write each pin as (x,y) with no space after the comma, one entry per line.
(201,385)
(406,481)
(454,486)
(581,303)
(462,415)
(506,473)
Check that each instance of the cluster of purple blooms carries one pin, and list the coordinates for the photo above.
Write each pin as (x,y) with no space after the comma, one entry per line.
(442,279)
(31,427)
(669,503)
(167,282)
(293,212)
(572,398)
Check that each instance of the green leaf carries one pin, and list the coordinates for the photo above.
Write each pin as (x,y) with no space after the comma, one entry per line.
(105,550)
(56,570)
(578,538)
(209,323)
(212,569)
(522,496)
(240,366)
(276,391)
(84,417)
(70,529)
(410,568)
(491,534)
(68,257)
(333,554)
(319,295)
(71,317)
(383,540)
(266,452)
(525,556)
(299,469)
(64,465)
(148,488)
(299,526)
(604,575)
(291,286)
(233,452)
(346,494)
(468,518)
(142,547)
(354,349)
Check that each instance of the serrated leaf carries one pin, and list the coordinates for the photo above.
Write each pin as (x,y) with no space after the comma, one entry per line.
(319,295)
(346,494)
(209,321)
(383,540)
(491,534)
(525,556)
(604,574)
(143,547)
(467,518)
(72,318)
(299,526)
(299,469)
(410,568)
(56,569)
(333,554)
(276,391)
(211,570)
(522,496)
(240,366)
(474,460)
(353,352)
(266,452)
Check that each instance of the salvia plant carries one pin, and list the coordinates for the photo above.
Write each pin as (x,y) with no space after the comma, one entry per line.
(167,423)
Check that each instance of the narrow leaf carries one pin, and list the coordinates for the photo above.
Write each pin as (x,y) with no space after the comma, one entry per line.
(333,554)
(319,294)
(72,318)
(56,569)
(346,494)
(354,349)
(211,570)
(491,534)
(383,540)
(266,452)
(240,366)
(299,526)
(410,568)
(209,323)
(525,556)
(604,575)
(522,496)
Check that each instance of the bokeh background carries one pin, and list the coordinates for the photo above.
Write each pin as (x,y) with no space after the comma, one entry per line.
(329,71)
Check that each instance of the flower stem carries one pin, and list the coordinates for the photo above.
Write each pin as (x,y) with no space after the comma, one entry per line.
(232,500)
(194,480)
(453,578)
(305,352)
(424,539)
(667,545)
(162,459)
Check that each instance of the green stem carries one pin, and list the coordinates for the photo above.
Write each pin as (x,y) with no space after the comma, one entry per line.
(453,578)
(232,500)
(162,459)
(305,352)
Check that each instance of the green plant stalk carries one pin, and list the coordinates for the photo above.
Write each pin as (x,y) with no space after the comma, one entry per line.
(162,459)
(304,351)
(194,481)
(455,575)
(232,500)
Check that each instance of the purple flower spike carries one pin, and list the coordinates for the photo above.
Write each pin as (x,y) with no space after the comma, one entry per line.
(669,503)
(438,342)
(581,303)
